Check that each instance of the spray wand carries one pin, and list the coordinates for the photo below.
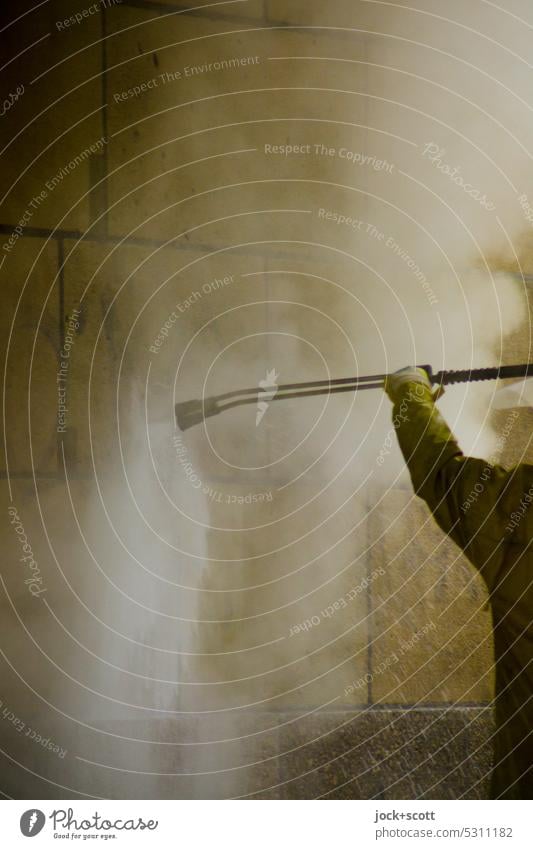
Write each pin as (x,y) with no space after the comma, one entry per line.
(190,413)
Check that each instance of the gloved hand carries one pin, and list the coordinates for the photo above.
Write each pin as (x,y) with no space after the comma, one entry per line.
(394,382)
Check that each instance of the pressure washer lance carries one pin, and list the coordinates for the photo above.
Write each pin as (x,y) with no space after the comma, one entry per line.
(190,413)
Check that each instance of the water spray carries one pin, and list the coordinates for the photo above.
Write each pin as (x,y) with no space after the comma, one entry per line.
(190,413)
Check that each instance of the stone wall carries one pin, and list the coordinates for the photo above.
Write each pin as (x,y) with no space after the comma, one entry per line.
(252,610)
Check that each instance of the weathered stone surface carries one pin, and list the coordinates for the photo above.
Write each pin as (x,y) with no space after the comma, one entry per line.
(431,634)
(289,583)
(175,157)
(69,617)
(176,314)
(245,9)
(310,13)
(31,344)
(372,755)
(57,118)
(412,754)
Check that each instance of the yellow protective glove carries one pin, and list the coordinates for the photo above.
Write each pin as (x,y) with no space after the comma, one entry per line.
(411,374)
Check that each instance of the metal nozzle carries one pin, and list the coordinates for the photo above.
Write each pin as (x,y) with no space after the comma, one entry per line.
(190,413)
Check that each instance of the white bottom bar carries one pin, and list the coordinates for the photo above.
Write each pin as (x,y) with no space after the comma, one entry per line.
(267,825)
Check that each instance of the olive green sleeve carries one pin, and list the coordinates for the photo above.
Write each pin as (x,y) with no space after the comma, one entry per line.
(469,498)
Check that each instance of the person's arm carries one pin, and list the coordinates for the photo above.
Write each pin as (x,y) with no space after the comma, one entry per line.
(471,499)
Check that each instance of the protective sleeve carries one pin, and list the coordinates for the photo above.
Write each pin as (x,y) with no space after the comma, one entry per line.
(470,499)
